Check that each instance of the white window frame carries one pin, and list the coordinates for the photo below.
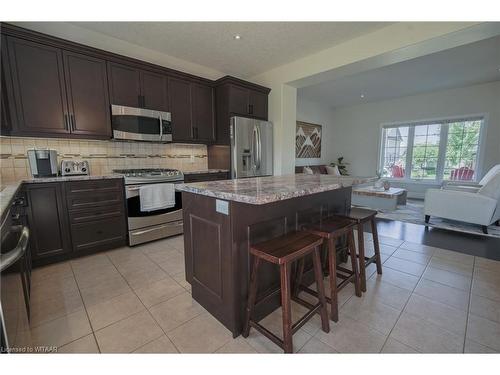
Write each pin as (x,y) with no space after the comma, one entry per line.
(442,146)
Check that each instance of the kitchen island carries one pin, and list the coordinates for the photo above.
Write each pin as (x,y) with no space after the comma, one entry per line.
(223,218)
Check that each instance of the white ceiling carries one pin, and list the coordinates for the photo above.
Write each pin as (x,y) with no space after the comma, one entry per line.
(473,63)
(263,45)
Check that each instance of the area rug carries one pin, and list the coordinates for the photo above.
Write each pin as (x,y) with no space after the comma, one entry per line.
(413,212)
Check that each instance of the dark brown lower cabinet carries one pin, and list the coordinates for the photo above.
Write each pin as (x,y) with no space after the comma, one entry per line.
(48,220)
(69,219)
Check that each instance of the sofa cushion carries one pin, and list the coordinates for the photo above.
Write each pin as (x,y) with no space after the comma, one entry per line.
(491,188)
(307,170)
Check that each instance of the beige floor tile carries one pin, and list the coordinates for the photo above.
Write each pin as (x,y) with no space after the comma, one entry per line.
(237,346)
(263,345)
(489,276)
(392,346)
(160,254)
(89,263)
(159,345)
(181,280)
(484,331)
(53,289)
(85,345)
(371,312)
(386,293)
(129,334)
(203,334)
(53,272)
(454,256)
(412,256)
(449,265)
(105,313)
(97,276)
(142,262)
(425,337)
(315,346)
(476,348)
(105,291)
(389,241)
(443,316)
(419,248)
(62,330)
(350,336)
(486,289)
(453,297)
(126,255)
(159,291)
(397,278)
(406,266)
(176,242)
(144,277)
(488,264)
(448,278)
(485,308)
(176,311)
(46,309)
(174,264)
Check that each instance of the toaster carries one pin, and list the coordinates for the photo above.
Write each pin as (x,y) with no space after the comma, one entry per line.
(75,168)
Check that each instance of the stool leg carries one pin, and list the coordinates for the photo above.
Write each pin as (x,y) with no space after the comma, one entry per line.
(252,295)
(298,278)
(332,268)
(376,246)
(286,307)
(354,261)
(361,250)
(318,274)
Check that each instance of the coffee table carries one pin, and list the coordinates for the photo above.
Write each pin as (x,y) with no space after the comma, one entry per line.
(378,199)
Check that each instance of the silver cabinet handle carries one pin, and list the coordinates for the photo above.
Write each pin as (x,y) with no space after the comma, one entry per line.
(8,259)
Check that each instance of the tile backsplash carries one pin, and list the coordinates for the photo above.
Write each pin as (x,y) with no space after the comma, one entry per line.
(103,156)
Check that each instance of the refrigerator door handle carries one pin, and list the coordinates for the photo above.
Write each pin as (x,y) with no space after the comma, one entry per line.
(255,141)
(259,148)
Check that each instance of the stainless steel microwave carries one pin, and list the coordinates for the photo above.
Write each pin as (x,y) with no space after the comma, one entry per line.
(139,124)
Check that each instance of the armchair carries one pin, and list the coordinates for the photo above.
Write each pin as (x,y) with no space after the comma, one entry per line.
(481,207)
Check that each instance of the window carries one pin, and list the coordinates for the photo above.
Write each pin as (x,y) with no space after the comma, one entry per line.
(434,150)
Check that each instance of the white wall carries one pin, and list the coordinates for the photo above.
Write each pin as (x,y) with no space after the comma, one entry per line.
(355,131)
(315,113)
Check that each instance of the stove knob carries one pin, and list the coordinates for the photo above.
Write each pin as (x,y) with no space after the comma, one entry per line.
(67,170)
(84,169)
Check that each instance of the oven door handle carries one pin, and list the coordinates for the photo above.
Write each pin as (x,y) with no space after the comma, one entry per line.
(8,259)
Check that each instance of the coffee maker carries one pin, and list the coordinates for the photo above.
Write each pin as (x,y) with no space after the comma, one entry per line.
(43,163)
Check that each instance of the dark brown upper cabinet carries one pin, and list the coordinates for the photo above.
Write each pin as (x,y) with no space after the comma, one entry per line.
(235,97)
(203,113)
(88,101)
(133,87)
(180,108)
(38,88)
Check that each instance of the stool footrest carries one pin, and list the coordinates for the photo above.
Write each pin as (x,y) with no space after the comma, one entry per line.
(271,336)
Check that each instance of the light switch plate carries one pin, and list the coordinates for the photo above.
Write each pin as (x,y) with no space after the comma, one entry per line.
(222,207)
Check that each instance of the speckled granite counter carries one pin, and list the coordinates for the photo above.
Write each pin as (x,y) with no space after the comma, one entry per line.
(262,190)
(9,191)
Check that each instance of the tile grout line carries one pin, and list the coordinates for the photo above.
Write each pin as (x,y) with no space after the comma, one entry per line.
(85,307)
(468,305)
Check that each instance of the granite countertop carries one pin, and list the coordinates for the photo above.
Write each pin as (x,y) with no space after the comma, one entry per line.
(203,171)
(262,190)
(9,191)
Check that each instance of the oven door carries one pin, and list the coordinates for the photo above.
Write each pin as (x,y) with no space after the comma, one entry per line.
(138,219)
(139,124)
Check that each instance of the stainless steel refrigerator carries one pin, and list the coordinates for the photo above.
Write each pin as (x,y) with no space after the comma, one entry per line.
(251,147)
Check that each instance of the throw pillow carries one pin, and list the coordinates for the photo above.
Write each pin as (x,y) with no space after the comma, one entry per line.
(307,170)
(332,170)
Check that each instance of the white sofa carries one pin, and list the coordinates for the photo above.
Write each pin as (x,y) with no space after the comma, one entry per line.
(479,206)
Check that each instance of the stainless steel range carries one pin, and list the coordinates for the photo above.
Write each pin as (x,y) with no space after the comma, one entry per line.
(144,226)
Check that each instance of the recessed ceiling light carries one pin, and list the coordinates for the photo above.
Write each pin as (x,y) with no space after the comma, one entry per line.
(237,37)
(362,96)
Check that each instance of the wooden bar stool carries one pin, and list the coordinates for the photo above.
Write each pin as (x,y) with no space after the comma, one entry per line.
(360,216)
(330,229)
(283,251)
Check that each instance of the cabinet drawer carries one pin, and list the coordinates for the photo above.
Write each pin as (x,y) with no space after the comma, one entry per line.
(96,199)
(199,177)
(97,213)
(98,234)
(94,186)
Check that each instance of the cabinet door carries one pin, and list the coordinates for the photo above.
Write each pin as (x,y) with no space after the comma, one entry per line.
(48,220)
(258,104)
(180,107)
(124,85)
(238,100)
(88,100)
(38,88)
(154,91)
(203,112)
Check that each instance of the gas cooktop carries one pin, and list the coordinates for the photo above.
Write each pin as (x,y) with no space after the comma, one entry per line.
(150,175)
